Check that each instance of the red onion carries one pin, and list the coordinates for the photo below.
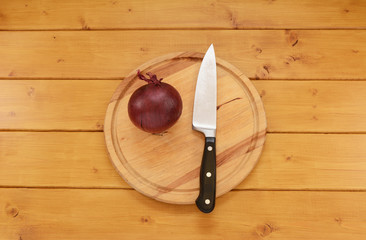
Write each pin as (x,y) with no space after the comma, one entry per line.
(156,106)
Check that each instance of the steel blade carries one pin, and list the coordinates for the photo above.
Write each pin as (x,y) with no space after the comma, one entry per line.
(205,100)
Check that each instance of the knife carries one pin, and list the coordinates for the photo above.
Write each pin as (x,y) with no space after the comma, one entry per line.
(204,120)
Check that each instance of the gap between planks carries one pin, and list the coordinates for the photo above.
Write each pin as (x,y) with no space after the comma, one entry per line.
(132,189)
(122,78)
(81,131)
(175,29)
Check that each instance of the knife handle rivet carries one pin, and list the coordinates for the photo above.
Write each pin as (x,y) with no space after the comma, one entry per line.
(208,174)
(207,201)
(209,148)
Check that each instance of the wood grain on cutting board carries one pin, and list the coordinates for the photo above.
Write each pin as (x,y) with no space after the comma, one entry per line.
(166,166)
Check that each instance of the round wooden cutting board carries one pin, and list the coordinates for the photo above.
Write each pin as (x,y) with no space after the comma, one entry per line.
(166,166)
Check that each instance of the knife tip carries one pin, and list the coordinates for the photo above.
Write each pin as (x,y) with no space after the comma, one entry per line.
(211,48)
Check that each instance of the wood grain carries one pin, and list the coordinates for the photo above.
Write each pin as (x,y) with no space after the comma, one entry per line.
(271,54)
(142,158)
(51,159)
(130,14)
(288,162)
(123,214)
(309,106)
(54,105)
(291,106)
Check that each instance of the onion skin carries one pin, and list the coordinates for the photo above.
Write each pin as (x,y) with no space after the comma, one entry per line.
(154,107)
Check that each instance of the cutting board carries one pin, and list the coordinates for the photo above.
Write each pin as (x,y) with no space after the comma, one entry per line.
(166,166)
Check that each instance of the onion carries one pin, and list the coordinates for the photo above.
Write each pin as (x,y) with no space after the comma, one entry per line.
(156,106)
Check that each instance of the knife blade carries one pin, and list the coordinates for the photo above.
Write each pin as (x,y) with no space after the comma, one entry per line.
(204,120)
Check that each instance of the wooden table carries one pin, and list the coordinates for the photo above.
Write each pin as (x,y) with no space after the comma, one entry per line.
(60,62)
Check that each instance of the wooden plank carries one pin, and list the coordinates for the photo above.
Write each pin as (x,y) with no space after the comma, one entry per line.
(291,106)
(288,162)
(272,54)
(123,214)
(130,14)
(310,161)
(50,104)
(314,106)
(47,159)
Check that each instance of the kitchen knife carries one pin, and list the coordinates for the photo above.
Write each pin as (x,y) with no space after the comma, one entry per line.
(204,120)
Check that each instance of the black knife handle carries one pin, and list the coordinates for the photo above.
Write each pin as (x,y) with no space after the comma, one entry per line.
(206,198)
